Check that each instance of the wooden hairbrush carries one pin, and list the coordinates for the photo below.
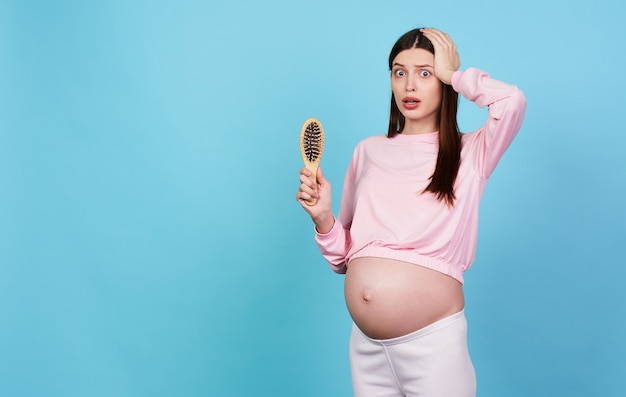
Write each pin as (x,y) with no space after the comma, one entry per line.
(312,147)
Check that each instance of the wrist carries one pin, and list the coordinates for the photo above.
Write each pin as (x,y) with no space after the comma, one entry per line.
(446,76)
(324,223)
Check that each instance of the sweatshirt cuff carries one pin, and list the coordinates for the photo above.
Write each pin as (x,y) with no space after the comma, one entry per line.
(331,234)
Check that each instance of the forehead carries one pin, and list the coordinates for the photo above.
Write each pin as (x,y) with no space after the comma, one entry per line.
(413,57)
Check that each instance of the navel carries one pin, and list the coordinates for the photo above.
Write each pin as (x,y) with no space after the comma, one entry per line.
(367,295)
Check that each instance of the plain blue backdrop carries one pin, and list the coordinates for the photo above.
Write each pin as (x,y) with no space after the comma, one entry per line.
(150,242)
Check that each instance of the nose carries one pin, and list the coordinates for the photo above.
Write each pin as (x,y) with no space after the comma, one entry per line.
(410,84)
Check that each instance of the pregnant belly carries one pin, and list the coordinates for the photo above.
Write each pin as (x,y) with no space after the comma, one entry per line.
(388,298)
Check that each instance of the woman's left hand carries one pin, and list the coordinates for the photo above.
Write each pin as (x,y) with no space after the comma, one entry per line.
(447,59)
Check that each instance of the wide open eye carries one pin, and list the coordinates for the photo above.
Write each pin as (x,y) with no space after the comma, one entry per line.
(399,73)
(424,73)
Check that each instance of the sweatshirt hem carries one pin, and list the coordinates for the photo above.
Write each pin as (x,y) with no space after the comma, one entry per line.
(410,257)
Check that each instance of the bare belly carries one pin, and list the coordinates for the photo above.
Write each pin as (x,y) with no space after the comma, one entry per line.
(388,298)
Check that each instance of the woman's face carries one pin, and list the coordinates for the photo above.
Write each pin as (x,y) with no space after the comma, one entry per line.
(416,89)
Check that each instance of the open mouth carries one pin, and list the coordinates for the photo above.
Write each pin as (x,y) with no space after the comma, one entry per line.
(410,103)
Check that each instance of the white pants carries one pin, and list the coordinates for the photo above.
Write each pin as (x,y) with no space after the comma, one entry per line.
(431,362)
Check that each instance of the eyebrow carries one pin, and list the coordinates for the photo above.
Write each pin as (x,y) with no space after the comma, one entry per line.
(418,66)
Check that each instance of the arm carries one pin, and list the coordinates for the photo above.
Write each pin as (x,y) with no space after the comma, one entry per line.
(507,106)
(332,239)
(336,244)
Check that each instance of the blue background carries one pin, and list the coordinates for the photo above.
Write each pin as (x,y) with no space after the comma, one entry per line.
(150,242)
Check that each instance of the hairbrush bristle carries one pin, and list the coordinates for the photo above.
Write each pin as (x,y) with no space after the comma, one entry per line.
(313,141)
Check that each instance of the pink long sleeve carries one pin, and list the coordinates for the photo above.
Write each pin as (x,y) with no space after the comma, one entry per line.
(384,212)
(507,107)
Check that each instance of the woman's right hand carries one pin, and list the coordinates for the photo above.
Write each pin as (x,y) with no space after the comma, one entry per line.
(320,212)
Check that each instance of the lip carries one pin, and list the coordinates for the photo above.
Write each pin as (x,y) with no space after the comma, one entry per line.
(410,102)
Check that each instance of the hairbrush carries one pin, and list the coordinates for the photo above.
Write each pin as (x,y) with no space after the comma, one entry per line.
(311,147)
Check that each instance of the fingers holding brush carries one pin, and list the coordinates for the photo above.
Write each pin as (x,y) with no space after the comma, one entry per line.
(308,186)
(314,191)
(319,194)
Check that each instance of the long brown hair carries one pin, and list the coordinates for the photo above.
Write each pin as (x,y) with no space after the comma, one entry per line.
(449,155)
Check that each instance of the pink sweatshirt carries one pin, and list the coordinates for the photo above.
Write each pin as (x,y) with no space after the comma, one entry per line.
(383,211)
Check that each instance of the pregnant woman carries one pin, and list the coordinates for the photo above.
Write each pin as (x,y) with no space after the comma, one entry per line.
(408,221)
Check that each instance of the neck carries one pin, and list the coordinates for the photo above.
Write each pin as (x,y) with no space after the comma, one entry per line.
(414,127)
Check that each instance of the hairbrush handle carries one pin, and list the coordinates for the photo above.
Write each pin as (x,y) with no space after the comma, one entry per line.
(311,148)
(313,178)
